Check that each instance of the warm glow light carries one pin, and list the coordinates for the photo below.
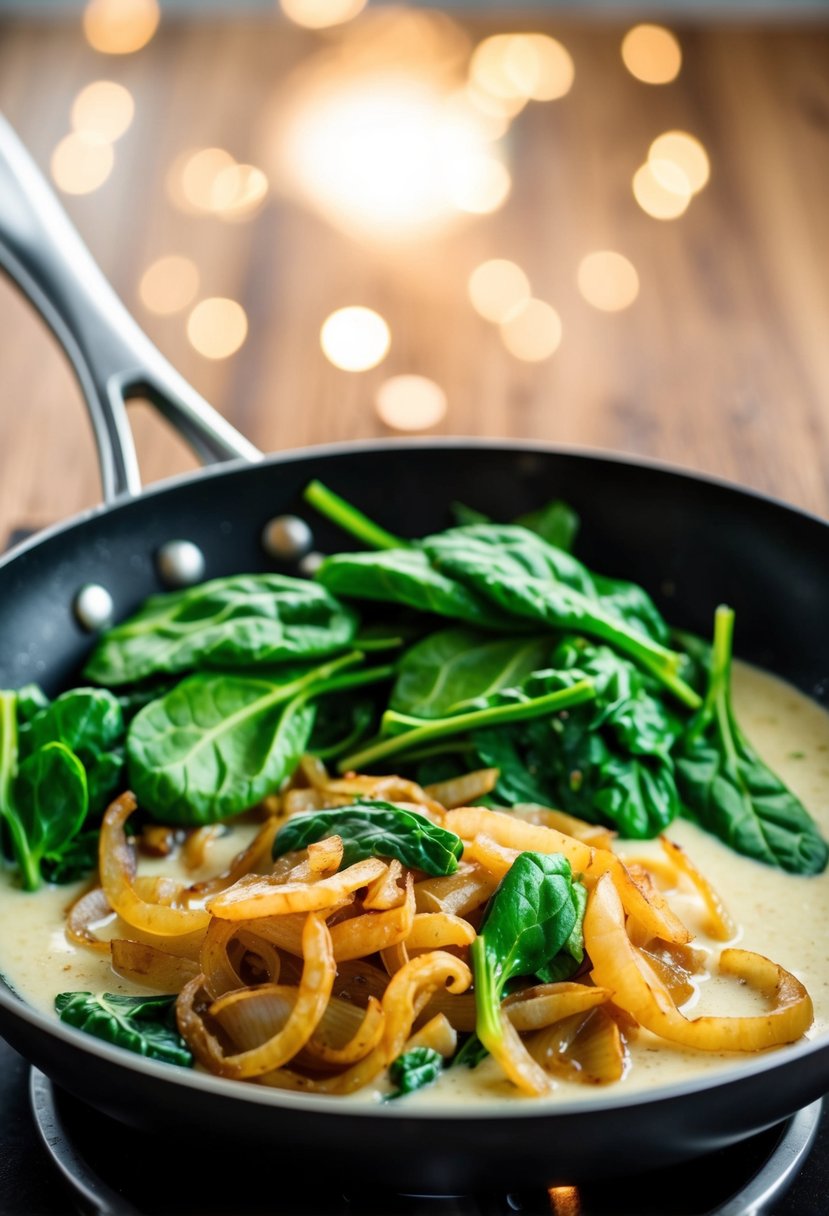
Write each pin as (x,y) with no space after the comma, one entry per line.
(238,191)
(532,332)
(103,108)
(317,14)
(652,54)
(355,339)
(607,280)
(498,288)
(661,189)
(532,67)
(217,327)
(478,184)
(390,156)
(564,1201)
(119,27)
(410,403)
(81,163)
(193,176)
(169,284)
(687,153)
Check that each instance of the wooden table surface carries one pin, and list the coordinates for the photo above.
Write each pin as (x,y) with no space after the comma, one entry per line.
(720,365)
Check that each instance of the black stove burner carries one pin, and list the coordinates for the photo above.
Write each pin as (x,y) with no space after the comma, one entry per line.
(115,1171)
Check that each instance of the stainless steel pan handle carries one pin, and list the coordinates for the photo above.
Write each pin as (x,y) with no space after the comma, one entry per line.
(113,358)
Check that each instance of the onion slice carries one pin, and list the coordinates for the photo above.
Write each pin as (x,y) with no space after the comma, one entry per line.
(261,895)
(618,965)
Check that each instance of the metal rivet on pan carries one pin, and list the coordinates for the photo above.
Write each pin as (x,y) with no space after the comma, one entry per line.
(287,537)
(93,607)
(180,563)
(310,563)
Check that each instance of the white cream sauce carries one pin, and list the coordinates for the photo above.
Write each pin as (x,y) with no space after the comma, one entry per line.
(779,915)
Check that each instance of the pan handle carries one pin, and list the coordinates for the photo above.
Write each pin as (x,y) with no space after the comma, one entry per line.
(112,357)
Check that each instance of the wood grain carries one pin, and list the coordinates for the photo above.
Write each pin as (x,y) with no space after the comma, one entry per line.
(721,364)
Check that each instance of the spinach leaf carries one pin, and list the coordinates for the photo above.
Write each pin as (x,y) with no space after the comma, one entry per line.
(218,743)
(349,518)
(143,1024)
(376,829)
(14,832)
(414,1069)
(74,860)
(534,915)
(730,791)
(410,733)
(449,670)
(405,576)
(227,622)
(527,578)
(556,523)
(90,722)
(50,796)
(31,699)
(606,761)
(341,723)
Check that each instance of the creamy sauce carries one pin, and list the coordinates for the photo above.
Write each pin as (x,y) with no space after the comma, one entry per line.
(779,915)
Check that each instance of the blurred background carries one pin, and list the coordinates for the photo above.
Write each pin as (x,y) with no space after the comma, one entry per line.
(586,224)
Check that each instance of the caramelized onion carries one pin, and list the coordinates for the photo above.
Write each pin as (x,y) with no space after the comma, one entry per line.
(151,966)
(374,931)
(260,895)
(505,829)
(547,1003)
(88,910)
(618,965)
(719,924)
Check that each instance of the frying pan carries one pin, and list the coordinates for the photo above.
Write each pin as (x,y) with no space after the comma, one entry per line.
(691,541)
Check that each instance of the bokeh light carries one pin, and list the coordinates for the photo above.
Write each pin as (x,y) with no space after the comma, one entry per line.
(355,338)
(410,403)
(522,67)
(193,175)
(238,192)
(498,288)
(389,156)
(532,332)
(608,280)
(661,189)
(652,54)
(120,27)
(687,153)
(81,162)
(217,327)
(103,108)
(318,14)
(478,184)
(169,284)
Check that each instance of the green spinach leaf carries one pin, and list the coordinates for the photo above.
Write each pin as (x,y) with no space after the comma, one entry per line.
(143,1024)
(453,669)
(729,790)
(90,722)
(376,829)
(74,860)
(405,576)
(414,1069)
(225,623)
(527,578)
(556,523)
(533,916)
(50,796)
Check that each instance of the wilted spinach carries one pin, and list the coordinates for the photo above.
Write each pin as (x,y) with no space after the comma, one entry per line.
(413,1070)
(534,917)
(90,722)
(218,743)
(143,1024)
(729,790)
(455,669)
(225,623)
(376,829)
(524,576)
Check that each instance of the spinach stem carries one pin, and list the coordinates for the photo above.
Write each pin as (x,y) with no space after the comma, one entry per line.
(457,724)
(350,519)
(29,868)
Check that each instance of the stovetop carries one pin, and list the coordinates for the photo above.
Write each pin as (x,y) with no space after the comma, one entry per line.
(124,1171)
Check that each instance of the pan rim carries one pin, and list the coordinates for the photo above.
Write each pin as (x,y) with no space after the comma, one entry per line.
(353,447)
(733,1072)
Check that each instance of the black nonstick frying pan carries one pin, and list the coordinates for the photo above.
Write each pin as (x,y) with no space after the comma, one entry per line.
(692,542)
